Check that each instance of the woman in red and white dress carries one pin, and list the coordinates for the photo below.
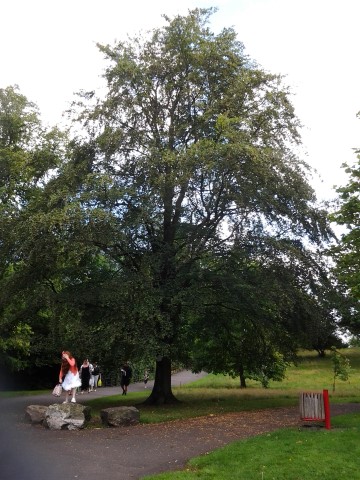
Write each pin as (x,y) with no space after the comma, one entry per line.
(69,376)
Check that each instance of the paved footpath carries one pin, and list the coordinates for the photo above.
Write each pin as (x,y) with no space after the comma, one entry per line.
(29,452)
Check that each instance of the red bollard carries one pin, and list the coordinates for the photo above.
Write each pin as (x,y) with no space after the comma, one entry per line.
(326,409)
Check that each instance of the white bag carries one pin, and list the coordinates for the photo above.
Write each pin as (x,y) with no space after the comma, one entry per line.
(57,390)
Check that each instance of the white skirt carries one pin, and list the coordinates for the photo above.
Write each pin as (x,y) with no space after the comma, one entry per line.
(71,381)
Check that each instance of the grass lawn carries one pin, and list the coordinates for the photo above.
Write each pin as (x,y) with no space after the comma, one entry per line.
(22,393)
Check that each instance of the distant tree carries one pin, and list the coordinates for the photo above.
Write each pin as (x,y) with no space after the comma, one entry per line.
(341,366)
(354,341)
(346,252)
(264,302)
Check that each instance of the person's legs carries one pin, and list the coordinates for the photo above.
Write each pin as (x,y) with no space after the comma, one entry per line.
(67,394)
(73,392)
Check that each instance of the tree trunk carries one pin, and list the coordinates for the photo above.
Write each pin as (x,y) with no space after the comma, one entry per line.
(161,393)
(242,378)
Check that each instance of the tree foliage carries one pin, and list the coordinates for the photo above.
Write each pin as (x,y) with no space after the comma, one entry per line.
(264,301)
(347,215)
(346,252)
(341,366)
(27,154)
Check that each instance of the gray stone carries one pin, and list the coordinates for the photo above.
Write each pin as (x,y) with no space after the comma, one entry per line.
(66,416)
(120,416)
(35,413)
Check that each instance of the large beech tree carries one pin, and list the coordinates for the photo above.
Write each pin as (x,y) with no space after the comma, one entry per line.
(188,154)
(190,149)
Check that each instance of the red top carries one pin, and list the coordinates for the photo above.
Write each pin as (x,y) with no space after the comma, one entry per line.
(73,368)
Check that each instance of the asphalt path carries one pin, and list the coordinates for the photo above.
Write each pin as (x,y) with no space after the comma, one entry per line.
(29,452)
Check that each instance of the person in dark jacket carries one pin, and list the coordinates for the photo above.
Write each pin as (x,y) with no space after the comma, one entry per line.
(126,374)
(85,372)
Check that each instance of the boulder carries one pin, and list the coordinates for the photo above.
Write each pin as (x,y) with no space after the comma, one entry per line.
(66,416)
(120,416)
(35,413)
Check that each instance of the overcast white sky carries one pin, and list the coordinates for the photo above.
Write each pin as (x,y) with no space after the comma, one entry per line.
(48,49)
